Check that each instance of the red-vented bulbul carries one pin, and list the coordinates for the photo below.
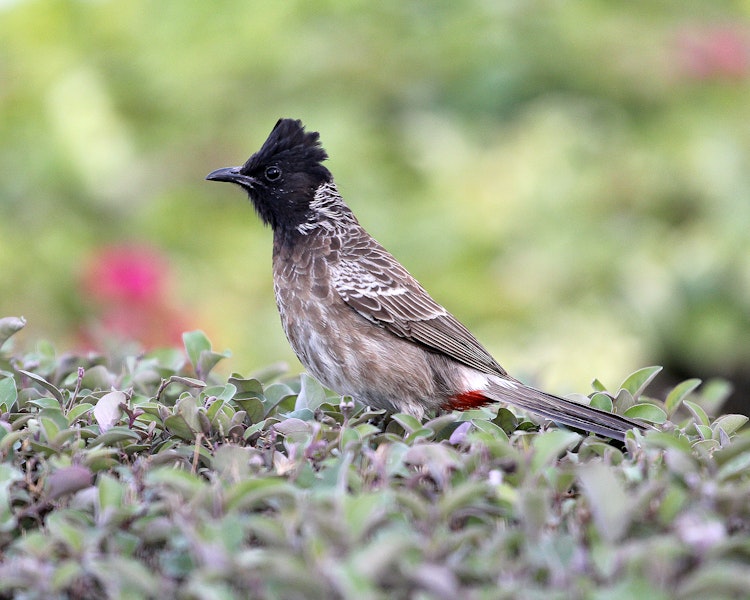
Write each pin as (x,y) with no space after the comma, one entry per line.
(357,320)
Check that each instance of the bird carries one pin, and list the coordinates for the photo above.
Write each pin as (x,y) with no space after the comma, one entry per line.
(358,321)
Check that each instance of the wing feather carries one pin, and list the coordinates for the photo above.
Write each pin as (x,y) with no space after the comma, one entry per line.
(375,285)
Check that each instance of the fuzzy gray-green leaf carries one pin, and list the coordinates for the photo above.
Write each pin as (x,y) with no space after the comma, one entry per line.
(637,381)
(679,393)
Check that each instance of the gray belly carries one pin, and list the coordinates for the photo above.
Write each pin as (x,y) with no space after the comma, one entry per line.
(357,358)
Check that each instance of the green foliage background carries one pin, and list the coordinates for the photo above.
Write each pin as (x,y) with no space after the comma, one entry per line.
(559,174)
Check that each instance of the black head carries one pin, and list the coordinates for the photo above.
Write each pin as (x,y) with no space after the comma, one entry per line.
(281,178)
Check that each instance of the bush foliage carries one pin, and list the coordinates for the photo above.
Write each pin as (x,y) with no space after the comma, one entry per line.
(148,476)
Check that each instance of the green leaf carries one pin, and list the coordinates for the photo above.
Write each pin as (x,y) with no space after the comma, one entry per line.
(195,342)
(78,411)
(190,452)
(506,420)
(208,360)
(423,433)
(231,463)
(304,414)
(225,392)
(728,423)
(190,382)
(311,394)
(441,422)
(274,395)
(188,484)
(598,386)
(665,440)
(8,392)
(253,407)
(251,492)
(294,429)
(8,440)
(246,388)
(66,573)
(623,401)
(98,377)
(363,512)
(198,348)
(64,436)
(56,415)
(187,406)
(56,393)
(67,480)
(170,359)
(490,428)
(646,412)
(10,326)
(177,425)
(740,444)
(49,427)
(101,458)
(698,413)
(45,403)
(707,446)
(115,435)
(636,382)
(549,445)
(408,422)
(672,503)
(739,465)
(602,401)
(607,498)
(365,430)
(255,428)
(52,421)
(216,406)
(64,532)
(464,497)
(679,393)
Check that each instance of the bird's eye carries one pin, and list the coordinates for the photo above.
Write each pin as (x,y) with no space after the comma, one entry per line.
(273,173)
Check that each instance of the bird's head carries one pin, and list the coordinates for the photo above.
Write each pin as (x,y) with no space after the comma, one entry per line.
(283,176)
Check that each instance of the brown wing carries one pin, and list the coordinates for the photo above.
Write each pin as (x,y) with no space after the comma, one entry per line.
(374,284)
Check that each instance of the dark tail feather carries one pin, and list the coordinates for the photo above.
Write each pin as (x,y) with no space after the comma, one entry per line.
(567,412)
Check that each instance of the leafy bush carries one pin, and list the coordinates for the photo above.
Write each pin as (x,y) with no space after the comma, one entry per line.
(153,478)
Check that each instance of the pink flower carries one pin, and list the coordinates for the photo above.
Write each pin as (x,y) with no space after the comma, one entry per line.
(714,52)
(128,295)
(126,273)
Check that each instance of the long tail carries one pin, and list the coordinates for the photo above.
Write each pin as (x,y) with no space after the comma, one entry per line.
(567,412)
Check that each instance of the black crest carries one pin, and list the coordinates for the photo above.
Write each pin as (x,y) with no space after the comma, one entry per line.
(290,144)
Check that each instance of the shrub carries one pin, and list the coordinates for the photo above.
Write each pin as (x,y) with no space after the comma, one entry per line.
(152,477)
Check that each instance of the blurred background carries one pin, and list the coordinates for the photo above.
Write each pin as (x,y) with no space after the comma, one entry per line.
(571,179)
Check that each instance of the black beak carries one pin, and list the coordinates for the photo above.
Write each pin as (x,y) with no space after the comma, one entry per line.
(231,175)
